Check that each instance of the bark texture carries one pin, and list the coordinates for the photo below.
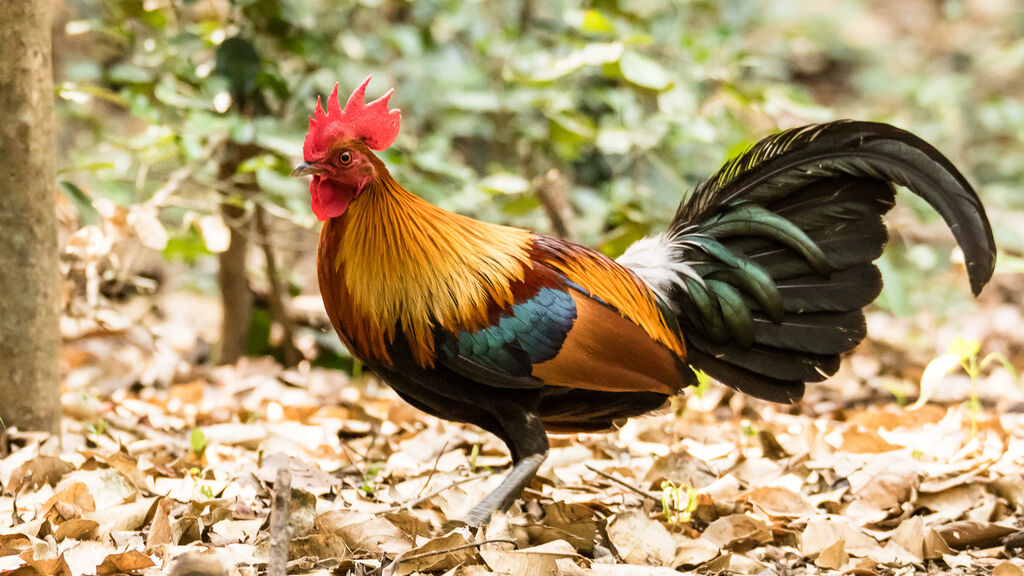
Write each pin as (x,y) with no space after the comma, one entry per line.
(233,274)
(29,275)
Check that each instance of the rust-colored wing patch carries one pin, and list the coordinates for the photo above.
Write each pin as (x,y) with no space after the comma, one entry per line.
(610,282)
(606,351)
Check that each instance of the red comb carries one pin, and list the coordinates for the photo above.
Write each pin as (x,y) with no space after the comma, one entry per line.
(373,123)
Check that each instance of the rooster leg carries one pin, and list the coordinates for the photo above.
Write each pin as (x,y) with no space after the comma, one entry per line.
(528,442)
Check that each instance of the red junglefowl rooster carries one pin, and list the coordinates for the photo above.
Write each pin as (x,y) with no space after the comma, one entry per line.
(759,281)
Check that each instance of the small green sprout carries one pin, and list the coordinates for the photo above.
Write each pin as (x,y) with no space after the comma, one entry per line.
(371,477)
(473,454)
(197,443)
(964,354)
(97,428)
(678,502)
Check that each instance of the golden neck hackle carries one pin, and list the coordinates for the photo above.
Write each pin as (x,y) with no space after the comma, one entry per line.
(407,264)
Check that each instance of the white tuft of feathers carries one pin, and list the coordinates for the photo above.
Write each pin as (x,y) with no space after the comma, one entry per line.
(653,261)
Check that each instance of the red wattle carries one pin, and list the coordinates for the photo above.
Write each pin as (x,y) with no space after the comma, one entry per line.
(329,200)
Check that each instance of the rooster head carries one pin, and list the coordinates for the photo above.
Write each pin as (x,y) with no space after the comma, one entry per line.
(338,148)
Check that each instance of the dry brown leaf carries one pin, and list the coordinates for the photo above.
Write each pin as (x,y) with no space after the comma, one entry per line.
(1011,488)
(365,533)
(735,564)
(536,561)
(126,465)
(69,503)
(778,502)
(820,534)
(724,489)
(961,535)
(858,440)
(125,517)
(910,535)
(46,564)
(575,523)
(14,544)
(77,529)
(934,545)
(640,540)
(952,504)
(37,472)
(681,468)
(737,531)
(107,486)
(833,557)
(1007,568)
(693,551)
(450,555)
(880,487)
(237,530)
(567,567)
(124,563)
(304,475)
(891,417)
(196,563)
(23,530)
(317,545)
(160,529)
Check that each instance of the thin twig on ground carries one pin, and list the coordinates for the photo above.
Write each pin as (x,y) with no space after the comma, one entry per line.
(434,469)
(420,500)
(280,530)
(624,484)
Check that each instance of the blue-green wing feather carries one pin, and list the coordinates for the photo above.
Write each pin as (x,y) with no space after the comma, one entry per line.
(503,354)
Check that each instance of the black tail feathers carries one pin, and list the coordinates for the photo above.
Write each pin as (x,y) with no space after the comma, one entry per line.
(777,250)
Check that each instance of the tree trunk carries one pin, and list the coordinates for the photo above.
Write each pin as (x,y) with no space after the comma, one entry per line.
(232,274)
(29,274)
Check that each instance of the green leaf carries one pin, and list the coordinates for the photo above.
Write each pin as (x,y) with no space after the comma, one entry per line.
(594,54)
(238,61)
(197,442)
(644,72)
(995,356)
(505,183)
(129,74)
(962,348)
(87,214)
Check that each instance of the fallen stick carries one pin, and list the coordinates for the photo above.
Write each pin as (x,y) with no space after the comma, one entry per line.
(280,529)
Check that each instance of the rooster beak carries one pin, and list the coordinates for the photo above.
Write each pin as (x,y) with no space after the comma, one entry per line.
(305,169)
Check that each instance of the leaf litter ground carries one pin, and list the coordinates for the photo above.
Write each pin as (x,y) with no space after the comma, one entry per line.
(166,467)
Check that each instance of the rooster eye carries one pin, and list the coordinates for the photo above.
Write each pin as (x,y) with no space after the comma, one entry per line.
(345,158)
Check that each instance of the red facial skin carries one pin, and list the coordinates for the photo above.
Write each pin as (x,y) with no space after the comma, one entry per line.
(344,172)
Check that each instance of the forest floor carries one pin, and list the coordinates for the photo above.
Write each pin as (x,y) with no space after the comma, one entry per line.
(165,466)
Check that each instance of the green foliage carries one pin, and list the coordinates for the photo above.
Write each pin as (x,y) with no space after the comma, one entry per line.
(197,443)
(632,102)
(97,428)
(678,503)
(963,354)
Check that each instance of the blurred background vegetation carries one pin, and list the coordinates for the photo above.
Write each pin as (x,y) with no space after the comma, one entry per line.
(180,121)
